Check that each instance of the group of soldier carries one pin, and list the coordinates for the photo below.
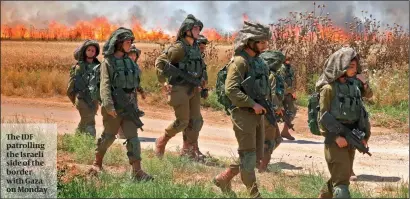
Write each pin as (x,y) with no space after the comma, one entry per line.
(118,80)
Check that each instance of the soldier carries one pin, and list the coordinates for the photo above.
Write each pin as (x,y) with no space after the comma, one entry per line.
(246,114)
(118,71)
(86,56)
(134,54)
(183,97)
(202,42)
(288,75)
(273,60)
(341,95)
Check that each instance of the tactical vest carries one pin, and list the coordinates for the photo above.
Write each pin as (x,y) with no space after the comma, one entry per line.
(347,103)
(126,73)
(289,75)
(280,86)
(192,63)
(258,69)
(86,70)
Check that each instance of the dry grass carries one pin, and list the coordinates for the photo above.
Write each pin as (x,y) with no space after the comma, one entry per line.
(40,69)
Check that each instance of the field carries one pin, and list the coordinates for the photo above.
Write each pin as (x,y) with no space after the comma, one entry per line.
(40,69)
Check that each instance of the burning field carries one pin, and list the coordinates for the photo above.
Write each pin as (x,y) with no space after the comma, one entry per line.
(37,63)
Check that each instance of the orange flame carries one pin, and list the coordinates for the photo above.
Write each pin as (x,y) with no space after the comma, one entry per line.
(98,29)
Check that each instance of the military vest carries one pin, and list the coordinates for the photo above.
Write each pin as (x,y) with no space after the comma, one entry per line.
(347,103)
(258,69)
(192,63)
(280,86)
(86,70)
(126,73)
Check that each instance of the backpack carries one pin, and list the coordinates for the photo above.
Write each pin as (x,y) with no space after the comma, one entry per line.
(313,110)
(94,83)
(220,88)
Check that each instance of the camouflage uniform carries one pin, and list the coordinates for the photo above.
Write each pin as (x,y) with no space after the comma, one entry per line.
(117,73)
(340,160)
(288,75)
(273,60)
(247,125)
(140,90)
(83,68)
(184,98)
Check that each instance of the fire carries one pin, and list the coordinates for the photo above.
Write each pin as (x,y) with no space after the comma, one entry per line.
(98,29)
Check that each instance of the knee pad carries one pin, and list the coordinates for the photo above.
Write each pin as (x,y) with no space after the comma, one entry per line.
(91,130)
(248,160)
(196,124)
(133,149)
(341,191)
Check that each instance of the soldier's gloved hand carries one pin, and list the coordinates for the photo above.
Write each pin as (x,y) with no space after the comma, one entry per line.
(259,109)
(341,142)
(112,113)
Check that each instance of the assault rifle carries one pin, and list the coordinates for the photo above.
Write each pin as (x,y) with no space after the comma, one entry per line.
(128,109)
(81,87)
(248,86)
(353,137)
(174,72)
(286,119)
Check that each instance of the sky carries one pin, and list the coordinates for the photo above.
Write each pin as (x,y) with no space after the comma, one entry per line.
(168,15)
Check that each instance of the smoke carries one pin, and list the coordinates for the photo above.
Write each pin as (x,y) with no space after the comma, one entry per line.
(226,16)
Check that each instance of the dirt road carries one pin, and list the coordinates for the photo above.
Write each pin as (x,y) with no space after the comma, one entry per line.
(389,163)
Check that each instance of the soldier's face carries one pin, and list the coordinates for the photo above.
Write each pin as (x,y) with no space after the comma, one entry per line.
(202,48)
(262,46)
(352,70)
(90,51)
(195,32)
(133,56)
(126,45)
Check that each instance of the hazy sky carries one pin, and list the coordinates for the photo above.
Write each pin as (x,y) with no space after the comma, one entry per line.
(215,14)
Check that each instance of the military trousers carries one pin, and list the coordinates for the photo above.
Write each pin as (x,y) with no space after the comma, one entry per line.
(186,102)
(272,139)
(250,135)
(129,129)
(340,165)
(289,105)
(87,115)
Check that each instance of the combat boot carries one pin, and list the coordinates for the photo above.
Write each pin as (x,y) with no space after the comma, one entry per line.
(187,150)
(97,164)
(285,133)
(138,174)
(263,164)
(249,179)
(223,180)
(160,144)
(198,154)
(325,195)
